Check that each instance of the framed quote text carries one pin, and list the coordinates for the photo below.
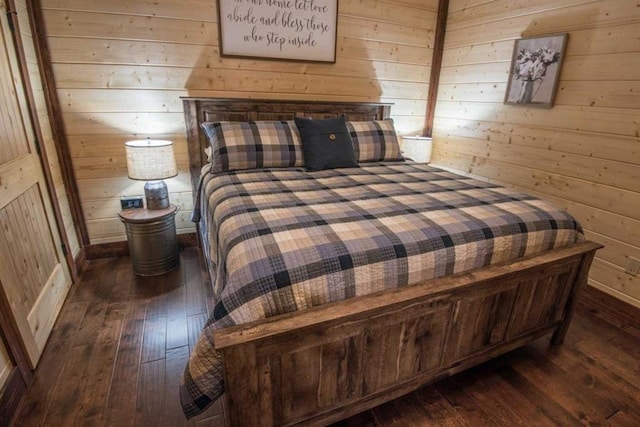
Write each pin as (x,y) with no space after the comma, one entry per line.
(301,30)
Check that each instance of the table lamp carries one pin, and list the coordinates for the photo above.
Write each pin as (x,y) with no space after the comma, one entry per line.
(152,160)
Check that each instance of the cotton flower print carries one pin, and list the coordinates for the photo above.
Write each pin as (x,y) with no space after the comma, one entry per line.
(530,68)
(533,65)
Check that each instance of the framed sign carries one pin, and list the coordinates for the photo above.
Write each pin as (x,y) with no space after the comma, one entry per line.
(535,70)
(302,30)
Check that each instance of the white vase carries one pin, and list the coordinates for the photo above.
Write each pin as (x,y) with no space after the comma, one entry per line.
(526,92)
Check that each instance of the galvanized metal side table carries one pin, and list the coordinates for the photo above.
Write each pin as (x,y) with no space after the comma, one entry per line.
(153,244)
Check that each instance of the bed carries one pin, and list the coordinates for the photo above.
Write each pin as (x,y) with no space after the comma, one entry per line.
(403,316)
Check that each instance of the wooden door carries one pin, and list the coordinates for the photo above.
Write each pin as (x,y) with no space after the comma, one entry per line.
(34,277)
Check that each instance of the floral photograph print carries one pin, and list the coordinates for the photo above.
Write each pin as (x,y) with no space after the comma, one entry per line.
(535,69)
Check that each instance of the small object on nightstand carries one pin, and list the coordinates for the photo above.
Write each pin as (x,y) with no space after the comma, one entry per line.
(153,243)
(417,148)
(132,203)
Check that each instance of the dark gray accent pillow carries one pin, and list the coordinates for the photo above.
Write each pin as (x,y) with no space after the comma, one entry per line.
(326,144)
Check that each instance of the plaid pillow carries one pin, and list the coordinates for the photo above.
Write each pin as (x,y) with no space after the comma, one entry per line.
(253,145)
(375,141)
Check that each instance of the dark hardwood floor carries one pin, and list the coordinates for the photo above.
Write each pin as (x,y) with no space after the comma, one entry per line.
(119,346)
(118,349)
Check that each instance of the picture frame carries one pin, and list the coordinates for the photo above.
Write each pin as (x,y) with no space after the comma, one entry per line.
(297,30)
(535,70)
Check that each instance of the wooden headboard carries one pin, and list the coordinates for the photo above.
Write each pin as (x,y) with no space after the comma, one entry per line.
(199,110)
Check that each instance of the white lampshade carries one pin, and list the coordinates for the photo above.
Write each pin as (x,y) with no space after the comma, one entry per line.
(417,148)
(150,159)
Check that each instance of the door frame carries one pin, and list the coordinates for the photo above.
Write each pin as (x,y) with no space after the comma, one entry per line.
(13,390)
(37,130)
(10,334)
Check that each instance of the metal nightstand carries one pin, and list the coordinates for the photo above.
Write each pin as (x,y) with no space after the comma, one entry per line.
(153,244)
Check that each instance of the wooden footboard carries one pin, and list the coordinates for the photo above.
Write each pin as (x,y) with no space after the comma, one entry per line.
(327,363)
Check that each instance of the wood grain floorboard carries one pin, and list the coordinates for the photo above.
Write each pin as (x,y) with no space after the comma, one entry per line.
(68,388)
(527,413)
(121,402)
(177,331)
(195,324)
(482,395)
(38,400)
(149,408)
(174,364)
(118,349)
(440,410)
(91,406)
(464,404)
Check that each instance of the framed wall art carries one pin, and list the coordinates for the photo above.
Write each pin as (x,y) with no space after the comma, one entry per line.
(301,30)
(535,70)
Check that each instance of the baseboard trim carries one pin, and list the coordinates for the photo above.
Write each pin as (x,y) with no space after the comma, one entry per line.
(80,261)
(10,396)
(118,249)
(106,250)
(609,308)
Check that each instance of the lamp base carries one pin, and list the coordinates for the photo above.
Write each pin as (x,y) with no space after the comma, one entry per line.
(156,194)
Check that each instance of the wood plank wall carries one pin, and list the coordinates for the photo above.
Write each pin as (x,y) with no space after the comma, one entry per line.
(45,125)
(584,153)
(121,66)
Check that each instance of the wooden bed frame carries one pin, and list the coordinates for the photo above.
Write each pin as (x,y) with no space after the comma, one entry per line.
(327,363)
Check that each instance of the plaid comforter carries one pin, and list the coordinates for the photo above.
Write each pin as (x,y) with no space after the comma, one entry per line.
(282,240)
